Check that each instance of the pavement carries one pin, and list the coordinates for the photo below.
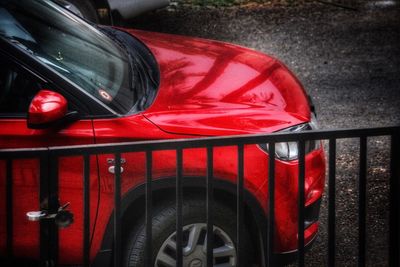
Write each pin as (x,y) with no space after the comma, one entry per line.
(349,62)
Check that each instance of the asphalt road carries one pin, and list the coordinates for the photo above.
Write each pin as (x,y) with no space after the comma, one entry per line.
(349,62)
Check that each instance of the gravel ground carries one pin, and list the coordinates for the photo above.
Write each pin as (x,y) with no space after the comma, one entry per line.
(349,62)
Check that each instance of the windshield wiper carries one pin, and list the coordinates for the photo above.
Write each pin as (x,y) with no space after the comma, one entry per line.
(144,80)
(111,34)
(133,74)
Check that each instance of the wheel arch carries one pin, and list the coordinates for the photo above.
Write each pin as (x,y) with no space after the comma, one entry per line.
(164,189)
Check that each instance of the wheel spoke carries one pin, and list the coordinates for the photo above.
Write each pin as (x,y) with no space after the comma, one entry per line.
(194,236)
(224,251)
(166,260)
(171,244)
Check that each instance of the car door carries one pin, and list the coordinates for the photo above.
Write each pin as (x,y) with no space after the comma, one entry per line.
(18,86)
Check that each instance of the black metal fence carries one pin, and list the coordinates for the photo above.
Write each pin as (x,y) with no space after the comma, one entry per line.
(49,158)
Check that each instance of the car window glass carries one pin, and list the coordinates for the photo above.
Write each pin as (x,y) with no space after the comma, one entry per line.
(16,89)
(68,45)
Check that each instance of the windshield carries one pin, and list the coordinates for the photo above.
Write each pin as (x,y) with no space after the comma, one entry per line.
(72,47)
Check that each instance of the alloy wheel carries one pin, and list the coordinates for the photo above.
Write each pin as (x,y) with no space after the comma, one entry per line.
(194,248)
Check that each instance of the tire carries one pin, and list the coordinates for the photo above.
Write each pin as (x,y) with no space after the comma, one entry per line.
(194,217)
(84,7)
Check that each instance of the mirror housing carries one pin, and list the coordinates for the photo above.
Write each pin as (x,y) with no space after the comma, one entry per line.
(46,109)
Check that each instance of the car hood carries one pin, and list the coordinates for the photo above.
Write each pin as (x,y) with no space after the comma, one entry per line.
(212,88)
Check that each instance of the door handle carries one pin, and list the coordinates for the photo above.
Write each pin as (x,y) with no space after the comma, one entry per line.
(62,217)
(111,169)
(112,161)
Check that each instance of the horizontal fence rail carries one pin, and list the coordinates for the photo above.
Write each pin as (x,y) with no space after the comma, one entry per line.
(49,158)
(174,144)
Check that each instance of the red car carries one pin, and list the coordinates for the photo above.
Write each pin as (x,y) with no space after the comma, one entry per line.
(66,82)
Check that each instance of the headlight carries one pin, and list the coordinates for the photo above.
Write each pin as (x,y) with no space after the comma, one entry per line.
(289,150)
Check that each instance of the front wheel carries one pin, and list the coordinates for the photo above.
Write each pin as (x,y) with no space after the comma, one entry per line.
(194,237)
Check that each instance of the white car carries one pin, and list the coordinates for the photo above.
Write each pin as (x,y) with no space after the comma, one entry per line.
(102,10)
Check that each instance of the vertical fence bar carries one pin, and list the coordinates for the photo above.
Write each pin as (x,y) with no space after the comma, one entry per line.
(362,201)
(210,191)
(179,196)
(301,146)
(86,210)
(43,197)
(48,199)
(332,203)
(240,205)
(49,236)
(149,206)
(394,223)
(271,204)
(54,200)
(117,210)
(9,208)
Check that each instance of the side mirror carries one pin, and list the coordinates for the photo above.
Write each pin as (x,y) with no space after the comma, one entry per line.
(46,109)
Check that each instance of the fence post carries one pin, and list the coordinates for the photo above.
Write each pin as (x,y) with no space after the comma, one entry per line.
(210,205)
(179,198)
(149,208)
(9,208)
(301,184)
(362,208)
(271,205)
(332,203)
(117,210)
(240,206)
(49,201)
(394,224)
(86,210)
